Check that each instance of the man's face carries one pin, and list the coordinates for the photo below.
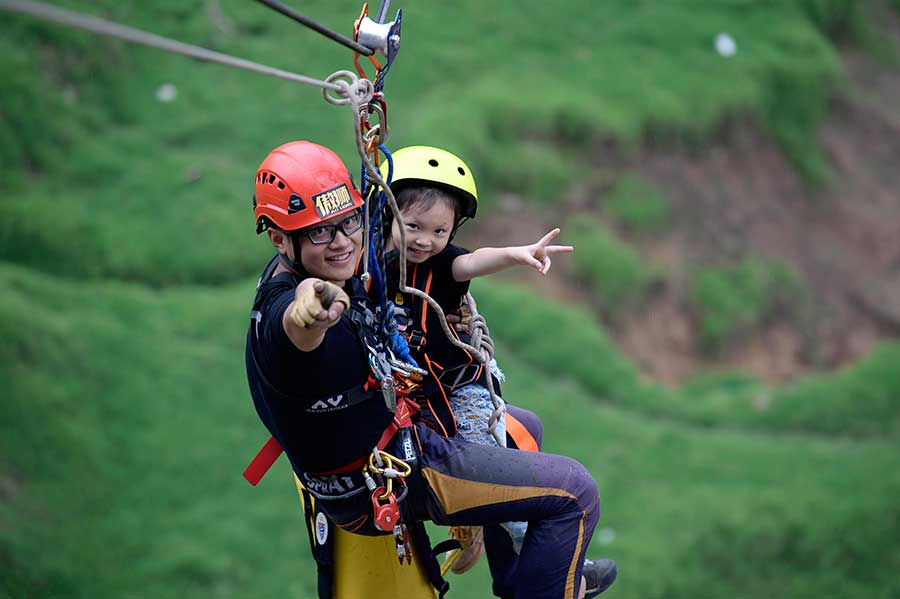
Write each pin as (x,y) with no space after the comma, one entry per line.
(334,261)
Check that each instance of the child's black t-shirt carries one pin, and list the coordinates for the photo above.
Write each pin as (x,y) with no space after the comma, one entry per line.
(434,277)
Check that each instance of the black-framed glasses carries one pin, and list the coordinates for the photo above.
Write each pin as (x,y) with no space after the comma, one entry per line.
(322,234)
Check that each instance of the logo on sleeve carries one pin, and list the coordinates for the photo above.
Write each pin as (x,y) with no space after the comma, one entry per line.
(328,203)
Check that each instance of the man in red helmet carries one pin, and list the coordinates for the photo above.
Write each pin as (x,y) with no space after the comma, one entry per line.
(314,360)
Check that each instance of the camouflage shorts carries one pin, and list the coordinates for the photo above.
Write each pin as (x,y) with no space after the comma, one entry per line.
(472,407)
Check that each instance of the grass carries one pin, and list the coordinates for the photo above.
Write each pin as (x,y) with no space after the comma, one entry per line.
(732,299)
(613,272)
(137,482)
(859,402)
(127,425)
(128,263)
(524,106)
(637,206)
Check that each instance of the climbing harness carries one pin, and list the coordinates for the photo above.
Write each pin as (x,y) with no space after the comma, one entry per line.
(482,344)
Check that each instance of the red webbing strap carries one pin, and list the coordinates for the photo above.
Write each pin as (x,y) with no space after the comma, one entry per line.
(402,419)
(271,450)
(263,461)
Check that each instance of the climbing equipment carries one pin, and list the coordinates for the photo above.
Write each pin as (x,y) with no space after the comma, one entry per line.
(416,165)
(385,503)
(287,203)
(298,185)
(130,34)
(379,36)
(296,16)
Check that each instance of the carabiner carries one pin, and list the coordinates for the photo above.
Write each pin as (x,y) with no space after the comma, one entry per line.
(377,134)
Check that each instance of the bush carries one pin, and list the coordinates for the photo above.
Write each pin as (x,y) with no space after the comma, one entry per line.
(838,19)
(561,340)
(863,400)
(566,341)
(611,269)
(637,206)
(60,85)
(734,298)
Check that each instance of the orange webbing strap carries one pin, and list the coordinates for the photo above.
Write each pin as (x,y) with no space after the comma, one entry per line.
(263,461)
(520,435)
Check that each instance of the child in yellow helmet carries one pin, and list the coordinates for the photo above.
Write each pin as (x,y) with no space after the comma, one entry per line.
(436,192)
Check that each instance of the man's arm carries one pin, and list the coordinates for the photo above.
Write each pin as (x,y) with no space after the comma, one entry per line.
(486,261)
(317,306)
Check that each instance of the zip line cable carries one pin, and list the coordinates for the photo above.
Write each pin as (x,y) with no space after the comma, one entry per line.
(137,36)
(351,90)
(293,14)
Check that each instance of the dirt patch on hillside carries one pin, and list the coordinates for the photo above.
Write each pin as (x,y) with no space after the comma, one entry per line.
(737,197)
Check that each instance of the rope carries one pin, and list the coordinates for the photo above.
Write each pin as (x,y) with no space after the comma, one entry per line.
(481,337)
(482,346)
(137,36)
(293,14)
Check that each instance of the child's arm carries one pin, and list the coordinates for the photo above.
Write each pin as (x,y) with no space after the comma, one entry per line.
(486,261)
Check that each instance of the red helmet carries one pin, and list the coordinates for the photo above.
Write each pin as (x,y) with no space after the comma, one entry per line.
(300,184)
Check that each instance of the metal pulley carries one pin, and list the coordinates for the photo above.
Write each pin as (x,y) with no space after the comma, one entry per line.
(380,36)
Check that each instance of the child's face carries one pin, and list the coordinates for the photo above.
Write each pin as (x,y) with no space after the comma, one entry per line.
(427,230)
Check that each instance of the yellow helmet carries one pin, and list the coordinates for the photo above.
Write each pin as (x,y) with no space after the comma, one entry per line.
(416,165)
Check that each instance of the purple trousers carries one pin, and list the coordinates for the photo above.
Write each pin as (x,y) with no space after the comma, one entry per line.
(460,483)
(472,484)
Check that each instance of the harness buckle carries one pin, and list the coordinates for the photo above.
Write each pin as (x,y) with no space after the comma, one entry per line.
(389,390)
(416,339)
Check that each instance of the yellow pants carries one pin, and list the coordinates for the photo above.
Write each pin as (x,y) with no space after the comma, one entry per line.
(368,567)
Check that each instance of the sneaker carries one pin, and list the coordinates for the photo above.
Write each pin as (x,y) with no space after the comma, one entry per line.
(598,575)
(472,540)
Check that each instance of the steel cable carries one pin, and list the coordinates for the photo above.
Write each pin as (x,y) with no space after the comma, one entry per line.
(333,35)
(137,36)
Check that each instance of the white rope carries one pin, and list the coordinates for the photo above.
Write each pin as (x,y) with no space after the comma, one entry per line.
(481,337)
(482,347)
(104,27)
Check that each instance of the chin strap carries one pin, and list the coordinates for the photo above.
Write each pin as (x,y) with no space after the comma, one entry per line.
(295,266)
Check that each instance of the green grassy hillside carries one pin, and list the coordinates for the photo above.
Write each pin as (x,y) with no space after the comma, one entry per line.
(525,93)
(862,401)
(128,263)
(128,426)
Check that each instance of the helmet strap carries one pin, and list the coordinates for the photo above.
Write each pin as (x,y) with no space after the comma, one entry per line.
(462,220)
(295,266)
